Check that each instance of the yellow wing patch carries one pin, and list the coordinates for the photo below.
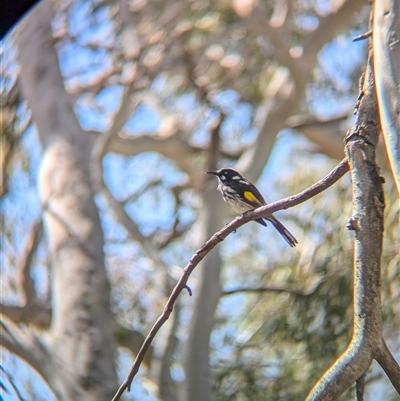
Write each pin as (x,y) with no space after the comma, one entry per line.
(251,198)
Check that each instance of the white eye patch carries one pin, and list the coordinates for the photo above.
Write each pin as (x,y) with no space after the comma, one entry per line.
(223,178)
(236,177)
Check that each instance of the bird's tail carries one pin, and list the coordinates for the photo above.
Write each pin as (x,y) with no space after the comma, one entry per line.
(286,234)
(262,222)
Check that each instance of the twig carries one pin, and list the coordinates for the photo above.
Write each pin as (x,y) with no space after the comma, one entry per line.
(339,171)
(360,387)
(363,36)
(23,343)
(31,245)
(389,364)
(303,292)
(218,237)
(100,148)
(189,290)
(13,385)
(34,310)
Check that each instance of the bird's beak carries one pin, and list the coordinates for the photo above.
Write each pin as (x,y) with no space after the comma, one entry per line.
(212,172)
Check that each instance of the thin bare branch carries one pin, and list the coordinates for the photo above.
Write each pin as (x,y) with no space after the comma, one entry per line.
(128,105)
(9,142)
(32,242)
(360,387)
(303,292)
(13,385)
(387,362)
(218,237)
(34,310)
(23,343)
(99,150)
(178,229)
(363,36)
(173,147)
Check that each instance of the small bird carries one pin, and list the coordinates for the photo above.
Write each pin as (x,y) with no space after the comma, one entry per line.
(242,196)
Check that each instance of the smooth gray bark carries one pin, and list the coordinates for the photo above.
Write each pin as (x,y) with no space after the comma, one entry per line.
(80,344)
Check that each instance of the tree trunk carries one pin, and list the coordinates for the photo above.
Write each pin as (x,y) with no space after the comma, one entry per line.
(207,295)
(80,364)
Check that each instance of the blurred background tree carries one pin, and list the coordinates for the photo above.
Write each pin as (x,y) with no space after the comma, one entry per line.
(111,114)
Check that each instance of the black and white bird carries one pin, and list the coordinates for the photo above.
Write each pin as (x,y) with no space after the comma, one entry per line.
(239,193)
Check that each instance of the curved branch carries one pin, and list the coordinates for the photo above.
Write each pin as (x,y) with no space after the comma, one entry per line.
(23,343)
(172,147)
(100,147)
(218,237)
(34,310)
(367,221)
(339,171)
(27,284)
(350,366)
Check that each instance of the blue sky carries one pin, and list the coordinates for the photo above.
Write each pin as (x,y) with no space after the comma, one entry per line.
(127,176)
